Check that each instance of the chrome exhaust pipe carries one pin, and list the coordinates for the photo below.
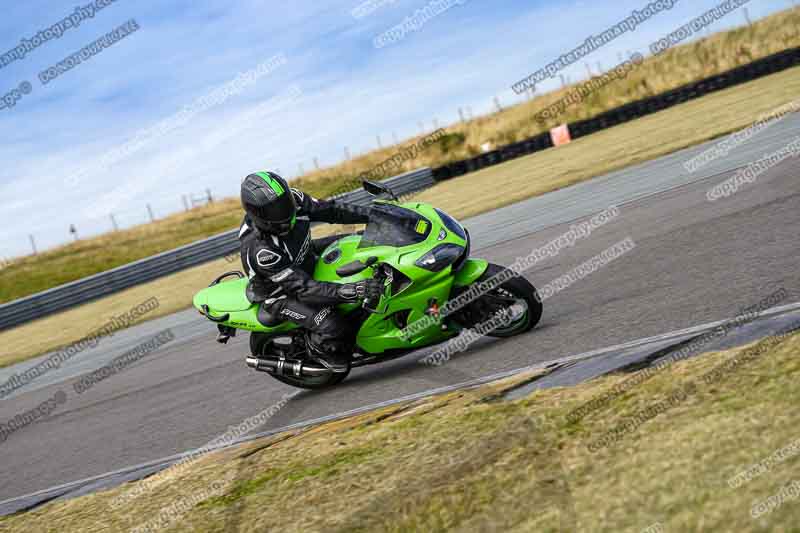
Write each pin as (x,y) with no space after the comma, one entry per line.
(287,367)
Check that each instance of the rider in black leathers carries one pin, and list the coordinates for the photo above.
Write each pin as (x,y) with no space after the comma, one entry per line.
(279,256)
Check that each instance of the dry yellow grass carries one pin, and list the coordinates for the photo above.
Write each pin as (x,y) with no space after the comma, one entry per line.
(465,461)
(464,196)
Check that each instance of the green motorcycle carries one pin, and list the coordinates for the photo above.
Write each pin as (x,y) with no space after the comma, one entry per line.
(433,291)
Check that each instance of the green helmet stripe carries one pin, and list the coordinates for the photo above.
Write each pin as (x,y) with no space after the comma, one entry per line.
(273,183)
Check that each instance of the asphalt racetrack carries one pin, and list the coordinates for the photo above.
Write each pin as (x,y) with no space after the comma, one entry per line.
(694,262)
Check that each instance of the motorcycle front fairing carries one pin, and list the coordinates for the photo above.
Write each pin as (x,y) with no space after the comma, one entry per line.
(400,237)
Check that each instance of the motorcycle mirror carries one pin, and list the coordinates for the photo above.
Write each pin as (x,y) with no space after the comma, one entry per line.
(378,189)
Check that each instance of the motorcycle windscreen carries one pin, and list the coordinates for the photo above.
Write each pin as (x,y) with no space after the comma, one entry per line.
(392,225)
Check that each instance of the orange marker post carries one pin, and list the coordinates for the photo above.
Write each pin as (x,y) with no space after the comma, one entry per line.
(560,135)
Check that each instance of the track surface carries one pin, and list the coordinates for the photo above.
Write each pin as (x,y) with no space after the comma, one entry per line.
(695,262)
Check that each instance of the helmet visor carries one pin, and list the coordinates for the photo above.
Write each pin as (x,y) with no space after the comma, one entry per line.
(279,227)
(278,211)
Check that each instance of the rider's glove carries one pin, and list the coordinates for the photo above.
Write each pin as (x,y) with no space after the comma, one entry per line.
(363,290)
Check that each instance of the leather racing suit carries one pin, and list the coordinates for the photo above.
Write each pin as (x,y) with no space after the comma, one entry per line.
(280,269)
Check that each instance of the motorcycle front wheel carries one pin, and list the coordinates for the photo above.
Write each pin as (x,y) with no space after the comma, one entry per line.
(517,296)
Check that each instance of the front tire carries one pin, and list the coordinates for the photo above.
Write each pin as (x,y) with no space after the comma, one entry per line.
(261,345)
(517,288)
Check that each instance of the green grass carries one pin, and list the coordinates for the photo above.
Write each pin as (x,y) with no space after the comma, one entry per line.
(718,53)
(467,461)
(241,490)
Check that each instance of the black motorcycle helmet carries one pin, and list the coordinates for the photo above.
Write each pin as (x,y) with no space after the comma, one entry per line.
(266,197)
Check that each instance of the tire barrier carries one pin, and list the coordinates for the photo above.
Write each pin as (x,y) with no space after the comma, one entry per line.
(614,117)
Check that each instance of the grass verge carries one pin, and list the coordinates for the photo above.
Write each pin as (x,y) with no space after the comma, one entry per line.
(467,461)
(475,193)
(678,66)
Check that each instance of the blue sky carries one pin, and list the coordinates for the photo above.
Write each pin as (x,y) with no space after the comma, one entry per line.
(346,92)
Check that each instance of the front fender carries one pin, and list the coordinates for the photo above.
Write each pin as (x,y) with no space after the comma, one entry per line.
(470,272)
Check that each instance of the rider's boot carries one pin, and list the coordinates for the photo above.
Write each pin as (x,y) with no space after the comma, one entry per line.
(334,355)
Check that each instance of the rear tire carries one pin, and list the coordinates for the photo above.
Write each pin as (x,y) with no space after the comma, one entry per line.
(260,346)
(518,288)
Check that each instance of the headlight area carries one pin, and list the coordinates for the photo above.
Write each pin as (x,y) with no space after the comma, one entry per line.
(451,224)
(440,257)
